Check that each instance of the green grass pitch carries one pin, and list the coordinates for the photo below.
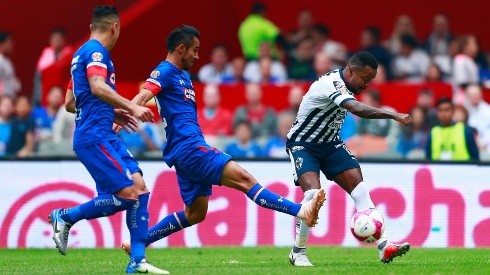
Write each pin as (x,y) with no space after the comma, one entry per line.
(250,260)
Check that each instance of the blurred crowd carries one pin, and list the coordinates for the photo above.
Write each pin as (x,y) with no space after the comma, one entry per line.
(31,127)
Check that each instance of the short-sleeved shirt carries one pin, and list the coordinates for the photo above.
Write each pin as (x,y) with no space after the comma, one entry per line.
(254,30)
(321,115)
(94,117)
(176,103)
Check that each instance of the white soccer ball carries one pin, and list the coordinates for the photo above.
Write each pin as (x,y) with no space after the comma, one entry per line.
(367,225)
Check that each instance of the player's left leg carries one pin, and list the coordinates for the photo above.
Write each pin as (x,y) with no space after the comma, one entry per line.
(352,182)
(238,178)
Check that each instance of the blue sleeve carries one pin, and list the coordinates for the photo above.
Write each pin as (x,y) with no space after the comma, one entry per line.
(471,143)
(428,147)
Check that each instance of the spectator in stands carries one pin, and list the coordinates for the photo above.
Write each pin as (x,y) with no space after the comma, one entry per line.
(146,138)
(9,83)
(261,117)
(465,69)
(434,73)
(243,145)
(214,120)
(375,127)
(479,114)
(265,69)
(214,72)
(439,39)
(304,30)
(295,96)
(63,127)
(381,76)
(413,136)
(374,135)
(438,44)
(320,34)
(300,61)
(57,49)
(255,30)
(236,76)
(44,116)
(276,145)
(337,52)
(21,142)
(448,140)
(370,42)
(403,26)
(322,64)
(425,100)
(412,63)
(7,112)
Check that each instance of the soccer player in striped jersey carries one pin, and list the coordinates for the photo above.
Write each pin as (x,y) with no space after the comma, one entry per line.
(314,144)
(198,165)
(120,186)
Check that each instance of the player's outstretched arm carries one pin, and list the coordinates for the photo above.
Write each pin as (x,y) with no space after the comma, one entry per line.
(365,111)
(105,93)
(143,97)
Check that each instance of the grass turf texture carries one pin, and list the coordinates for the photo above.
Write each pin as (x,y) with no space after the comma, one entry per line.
(237,260)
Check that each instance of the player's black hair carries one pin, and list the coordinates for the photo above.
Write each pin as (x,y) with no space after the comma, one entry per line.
(362,59)
(374,31)
(444,100)
(409,40)
(181,35)
(103,16)
(4,36)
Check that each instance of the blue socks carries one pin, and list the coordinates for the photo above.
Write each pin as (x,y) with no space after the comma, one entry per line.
(101,206)
(169,225)
(137,222)
(267,199)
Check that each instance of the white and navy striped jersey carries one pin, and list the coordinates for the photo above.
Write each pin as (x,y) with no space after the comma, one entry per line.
(320,115)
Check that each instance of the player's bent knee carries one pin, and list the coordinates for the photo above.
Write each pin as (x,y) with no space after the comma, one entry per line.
(195,216)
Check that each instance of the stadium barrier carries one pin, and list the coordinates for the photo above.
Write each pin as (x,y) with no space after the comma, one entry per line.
(429,205)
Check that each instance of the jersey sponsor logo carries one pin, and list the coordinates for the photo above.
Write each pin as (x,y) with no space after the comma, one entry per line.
(338,121)
(155,74)
(190,94)
(97,56)
(297,148)
(341,87)
(112,79)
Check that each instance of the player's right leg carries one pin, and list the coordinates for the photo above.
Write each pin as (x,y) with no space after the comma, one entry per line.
(115,189)
(352,182)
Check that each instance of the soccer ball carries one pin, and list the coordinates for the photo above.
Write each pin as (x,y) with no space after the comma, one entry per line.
(367,225)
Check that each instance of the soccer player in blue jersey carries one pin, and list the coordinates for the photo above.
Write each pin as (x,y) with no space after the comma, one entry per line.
(197,164)
(314,142)
(118,178)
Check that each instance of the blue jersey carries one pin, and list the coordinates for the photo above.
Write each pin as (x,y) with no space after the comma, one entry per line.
(94,117)
(176,102)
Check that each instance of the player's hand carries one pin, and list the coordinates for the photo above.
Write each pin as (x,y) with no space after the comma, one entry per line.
(142,113)
(404,119)
(124,120)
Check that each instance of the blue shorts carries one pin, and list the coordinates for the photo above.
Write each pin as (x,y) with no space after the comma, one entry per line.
(331,158)
(110,165)
(199,170)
